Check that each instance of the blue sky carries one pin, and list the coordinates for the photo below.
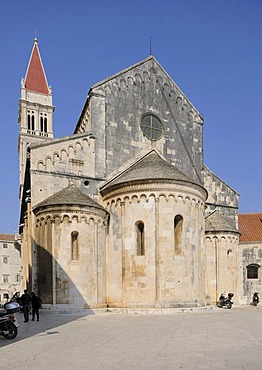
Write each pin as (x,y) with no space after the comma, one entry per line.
(211,49)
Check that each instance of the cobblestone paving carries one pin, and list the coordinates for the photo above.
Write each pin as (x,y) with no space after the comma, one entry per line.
(218,339)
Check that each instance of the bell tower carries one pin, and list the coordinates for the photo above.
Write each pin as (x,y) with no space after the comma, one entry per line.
(35,109)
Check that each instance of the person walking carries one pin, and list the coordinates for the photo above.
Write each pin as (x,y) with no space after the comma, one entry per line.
(25,300)
(36,304)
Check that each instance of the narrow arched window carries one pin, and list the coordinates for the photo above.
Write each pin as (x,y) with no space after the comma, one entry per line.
(28,122)
(252,271)
(41,124)
(140,238)
(45,125)
(178,233)
(74,246)
(33,122)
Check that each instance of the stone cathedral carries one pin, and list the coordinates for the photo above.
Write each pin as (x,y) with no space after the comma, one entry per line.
(123,213)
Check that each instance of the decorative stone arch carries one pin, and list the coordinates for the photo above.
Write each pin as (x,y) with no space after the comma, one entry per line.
(163,196)
(166,87)
(78,146)
(138,78)
(41,165)
(146,76)
(172,94)
(66,218)
(71,150)
(123,85)
(130,81)
(180,197)
(56,156)
(75,218)
(48,163)
(63,154)
(83,219)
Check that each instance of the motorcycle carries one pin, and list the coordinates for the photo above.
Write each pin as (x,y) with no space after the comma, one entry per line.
(8,323)
(225,301)
(255,299)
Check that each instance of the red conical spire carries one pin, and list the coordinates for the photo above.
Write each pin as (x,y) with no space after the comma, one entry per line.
(35,79)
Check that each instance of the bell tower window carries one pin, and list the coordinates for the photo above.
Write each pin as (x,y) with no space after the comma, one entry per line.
(43,124)
(31,122)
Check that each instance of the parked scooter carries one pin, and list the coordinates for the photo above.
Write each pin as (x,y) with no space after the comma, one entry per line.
(8,322)
(255,299)
(225,301)
(16,298)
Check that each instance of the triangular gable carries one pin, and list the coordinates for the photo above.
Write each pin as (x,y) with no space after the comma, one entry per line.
(153,63)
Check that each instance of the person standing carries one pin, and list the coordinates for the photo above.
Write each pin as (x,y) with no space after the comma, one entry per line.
(25,300)
(36,304)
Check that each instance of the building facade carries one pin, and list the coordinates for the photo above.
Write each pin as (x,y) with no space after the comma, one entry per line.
(250,255)
(123,213)
(10,267)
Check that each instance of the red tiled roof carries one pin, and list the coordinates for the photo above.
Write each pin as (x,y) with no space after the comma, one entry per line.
(250,227)
(35,77)
(7,237)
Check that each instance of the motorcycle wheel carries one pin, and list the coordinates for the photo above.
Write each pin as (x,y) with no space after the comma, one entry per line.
(229,305)
(255,303)
(12,330)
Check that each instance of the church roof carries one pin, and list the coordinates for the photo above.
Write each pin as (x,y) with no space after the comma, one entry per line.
(250,227)
(216,222)
(71,196)
(150,168)
(35,79)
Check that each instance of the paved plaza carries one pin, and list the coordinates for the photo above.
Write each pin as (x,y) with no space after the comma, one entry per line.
(216,339)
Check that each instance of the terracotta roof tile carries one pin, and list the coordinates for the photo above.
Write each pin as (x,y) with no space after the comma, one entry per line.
(7,237)
(35,77)
(250,227)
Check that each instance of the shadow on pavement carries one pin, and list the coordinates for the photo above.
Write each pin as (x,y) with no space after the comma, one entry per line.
(47,325)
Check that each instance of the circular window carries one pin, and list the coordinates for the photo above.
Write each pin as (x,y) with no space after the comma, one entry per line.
(151,126)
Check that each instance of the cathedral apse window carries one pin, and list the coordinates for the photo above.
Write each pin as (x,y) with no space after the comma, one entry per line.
(152,127)
(74,246)
(178,232)
(140,238)
(252,271)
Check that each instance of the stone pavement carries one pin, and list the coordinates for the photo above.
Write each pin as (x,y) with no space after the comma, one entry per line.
(216,339)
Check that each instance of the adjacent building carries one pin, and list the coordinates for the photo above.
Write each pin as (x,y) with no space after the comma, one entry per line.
(250,255)
(10,266)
